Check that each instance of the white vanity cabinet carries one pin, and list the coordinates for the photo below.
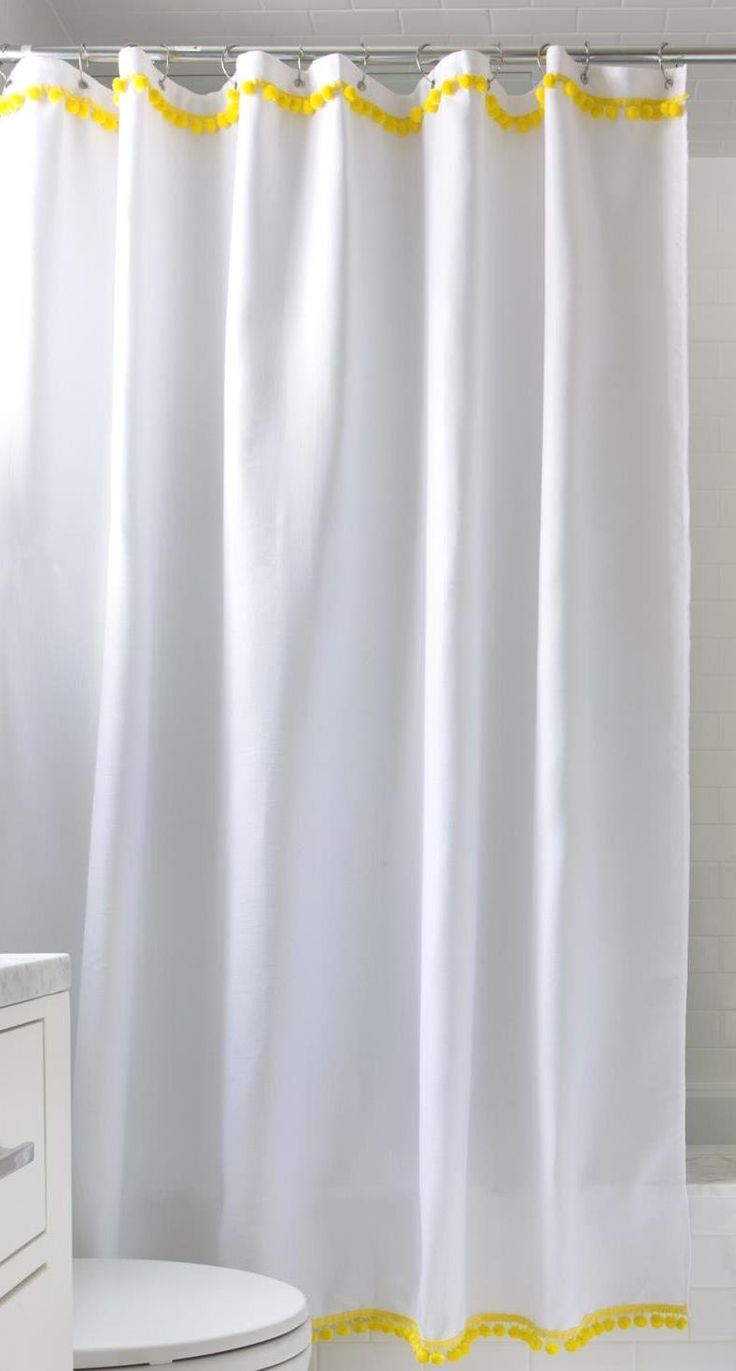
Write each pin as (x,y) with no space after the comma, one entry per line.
(35,1182)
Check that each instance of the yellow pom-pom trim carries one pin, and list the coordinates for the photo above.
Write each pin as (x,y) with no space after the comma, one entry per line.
(538,1339)
(597,106)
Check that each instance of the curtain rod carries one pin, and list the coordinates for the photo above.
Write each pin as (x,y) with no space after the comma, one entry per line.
(393,59)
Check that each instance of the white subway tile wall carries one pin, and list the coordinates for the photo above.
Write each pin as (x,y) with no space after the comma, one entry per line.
(711,1035)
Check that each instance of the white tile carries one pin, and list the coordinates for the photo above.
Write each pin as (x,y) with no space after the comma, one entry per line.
(712,1214)
(713,916)
(688,21)
(713,1262)
(621,20)
(711,1065)
(428,23)
(687,1357)
(355,23)
(597,1356)
(704,952)
(283,25)
(527,21)
(704,1027)
(712,1315)
(711,991)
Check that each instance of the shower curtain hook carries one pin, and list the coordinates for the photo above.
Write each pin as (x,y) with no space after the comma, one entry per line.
(229,75)
(542,57)
(299,78)
(495,72)
(420,68)
(667,76)
(362,82)
(165,73)
(82,59)
(584,74)
(6,79)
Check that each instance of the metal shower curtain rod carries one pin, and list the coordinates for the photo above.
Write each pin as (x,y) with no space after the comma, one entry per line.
(391,60)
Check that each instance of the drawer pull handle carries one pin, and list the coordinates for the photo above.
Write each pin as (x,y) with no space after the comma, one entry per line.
(15,1158)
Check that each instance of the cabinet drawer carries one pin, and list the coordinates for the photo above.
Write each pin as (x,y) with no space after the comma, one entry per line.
(22,1130)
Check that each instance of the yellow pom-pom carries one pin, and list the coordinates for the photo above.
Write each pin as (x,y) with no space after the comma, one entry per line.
(656,1321)
(539,94)
(465,81)
(449,87)
(416,114)
(34,92)
(270,92)
(549,80)
(342,1330)
(249,88)
(639,1319)
(670,1321)
(195,123)
(682,1322)
(436,1358)
(422,1356)
(139,82)
(535,1343)
(481,83)
(552,1348)
(317,100)
(55,93)
(498,1330)
(624,1321)
(351,94)
(72,105)
(647,110)
(120,85)
(210,124)
(325,1334)
(571,90)
(632,112)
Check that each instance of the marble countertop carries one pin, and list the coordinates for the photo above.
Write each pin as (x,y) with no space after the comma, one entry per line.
(28,975)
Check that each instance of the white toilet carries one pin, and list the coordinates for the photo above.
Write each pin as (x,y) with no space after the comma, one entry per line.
(202,1318)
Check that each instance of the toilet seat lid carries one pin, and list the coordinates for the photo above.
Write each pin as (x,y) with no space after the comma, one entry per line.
(129,1311)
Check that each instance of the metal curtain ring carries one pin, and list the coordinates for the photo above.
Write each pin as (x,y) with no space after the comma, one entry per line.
(667,76)
(421,69)
(584,74)
(165,73)
(362,82)
(82,59)
(299,78)
(229,75)
(495,72)
(542,57)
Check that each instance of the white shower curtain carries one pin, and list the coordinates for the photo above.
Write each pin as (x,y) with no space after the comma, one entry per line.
(343,728)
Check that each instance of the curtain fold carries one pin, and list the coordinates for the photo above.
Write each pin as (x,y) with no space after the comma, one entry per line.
(343,730)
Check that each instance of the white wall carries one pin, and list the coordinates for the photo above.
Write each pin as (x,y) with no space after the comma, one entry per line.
(711,1064)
